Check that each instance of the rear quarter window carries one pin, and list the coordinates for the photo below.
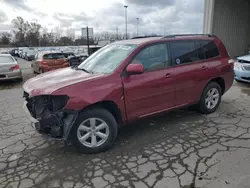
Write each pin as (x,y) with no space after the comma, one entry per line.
(53,56)
(209,49)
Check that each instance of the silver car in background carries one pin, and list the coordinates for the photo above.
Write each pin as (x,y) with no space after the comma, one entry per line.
(9,68)
(242,69)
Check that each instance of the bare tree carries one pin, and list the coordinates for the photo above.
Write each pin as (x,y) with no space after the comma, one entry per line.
(20,29)
(57,32)
(5,38)
(33,34)
(70,33)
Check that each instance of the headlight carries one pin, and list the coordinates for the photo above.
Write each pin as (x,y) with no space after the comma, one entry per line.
(238,66)
(58,102)
(44,103)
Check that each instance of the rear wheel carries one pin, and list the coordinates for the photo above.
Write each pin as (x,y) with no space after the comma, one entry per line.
(210,99)
(94,131)
(20,79)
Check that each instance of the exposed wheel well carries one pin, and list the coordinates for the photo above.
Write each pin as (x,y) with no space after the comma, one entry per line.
(221,82)
(111,106)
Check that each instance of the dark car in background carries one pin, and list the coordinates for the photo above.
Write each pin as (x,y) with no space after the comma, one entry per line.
(68,54)
(81,52)
(30,55)
(47,61)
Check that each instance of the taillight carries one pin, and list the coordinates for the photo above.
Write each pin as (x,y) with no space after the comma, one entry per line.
(16,67)
(43,63)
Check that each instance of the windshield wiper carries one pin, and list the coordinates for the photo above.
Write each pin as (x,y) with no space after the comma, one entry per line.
(84,70)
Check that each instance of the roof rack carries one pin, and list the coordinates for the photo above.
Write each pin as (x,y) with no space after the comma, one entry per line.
(189,35)
(140,37)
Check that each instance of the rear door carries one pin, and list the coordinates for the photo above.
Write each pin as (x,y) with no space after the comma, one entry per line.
(190,69)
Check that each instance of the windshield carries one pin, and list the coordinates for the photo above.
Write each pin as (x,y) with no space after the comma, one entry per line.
(108,58)
(53,56)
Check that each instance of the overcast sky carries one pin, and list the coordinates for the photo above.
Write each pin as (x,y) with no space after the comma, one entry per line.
(155,16)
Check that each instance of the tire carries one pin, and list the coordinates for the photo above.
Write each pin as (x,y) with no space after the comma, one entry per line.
(97,114)
(19,79)
(203,106)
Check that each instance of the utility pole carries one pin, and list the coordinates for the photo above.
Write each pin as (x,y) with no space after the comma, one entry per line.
(88,40)
(126,21)
(116,33)
(137,23)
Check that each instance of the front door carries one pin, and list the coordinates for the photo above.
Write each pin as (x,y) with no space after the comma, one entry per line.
(151,91)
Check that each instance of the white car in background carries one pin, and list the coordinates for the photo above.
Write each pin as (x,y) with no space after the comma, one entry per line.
(242,69)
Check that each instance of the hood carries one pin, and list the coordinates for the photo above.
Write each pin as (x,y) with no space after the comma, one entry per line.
(245,57)
(47,83)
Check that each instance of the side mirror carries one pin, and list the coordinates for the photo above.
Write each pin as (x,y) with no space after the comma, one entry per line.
(135,69)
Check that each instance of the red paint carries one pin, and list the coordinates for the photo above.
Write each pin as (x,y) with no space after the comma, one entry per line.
(135,69)
(136,95)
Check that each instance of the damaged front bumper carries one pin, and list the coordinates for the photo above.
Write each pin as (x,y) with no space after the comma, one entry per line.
(48,116)
(34,122)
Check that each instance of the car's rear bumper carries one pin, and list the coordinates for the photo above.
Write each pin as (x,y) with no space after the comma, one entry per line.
(242,75)
(10,75)
(50,68)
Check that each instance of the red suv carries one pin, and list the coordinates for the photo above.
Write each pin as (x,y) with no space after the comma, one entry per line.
(125,81)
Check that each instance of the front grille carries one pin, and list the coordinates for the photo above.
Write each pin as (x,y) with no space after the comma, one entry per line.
(246,78)
(2,76)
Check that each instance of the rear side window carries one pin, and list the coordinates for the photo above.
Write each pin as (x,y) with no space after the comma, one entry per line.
(53,56)
(184,52)
(192,51)
(208,49)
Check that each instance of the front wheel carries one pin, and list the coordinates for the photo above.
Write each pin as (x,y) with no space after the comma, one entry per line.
(210,99)
(94,131)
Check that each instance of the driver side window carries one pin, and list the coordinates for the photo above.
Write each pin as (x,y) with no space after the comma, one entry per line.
(153,57)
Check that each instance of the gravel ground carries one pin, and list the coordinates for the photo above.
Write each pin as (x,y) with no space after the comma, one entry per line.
(177,149)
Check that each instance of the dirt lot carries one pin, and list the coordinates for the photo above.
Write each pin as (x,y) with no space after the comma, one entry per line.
(178,149)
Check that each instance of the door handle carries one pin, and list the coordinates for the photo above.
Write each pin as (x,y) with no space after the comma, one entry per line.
(204,67)
(168,75)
